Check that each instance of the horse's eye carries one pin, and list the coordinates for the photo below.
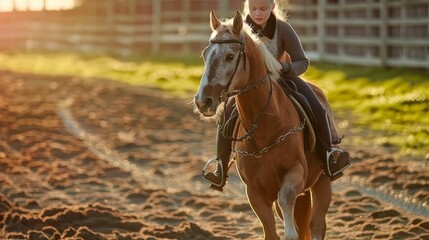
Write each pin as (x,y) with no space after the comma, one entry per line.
(229,57)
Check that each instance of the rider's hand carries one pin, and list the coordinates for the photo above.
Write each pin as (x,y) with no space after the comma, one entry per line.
(286,67)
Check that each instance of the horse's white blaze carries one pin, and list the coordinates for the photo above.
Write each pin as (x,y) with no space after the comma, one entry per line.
(221,77)
(204,79)
(203,84)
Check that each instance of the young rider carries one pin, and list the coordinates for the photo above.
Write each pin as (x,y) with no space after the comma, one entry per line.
(269,24)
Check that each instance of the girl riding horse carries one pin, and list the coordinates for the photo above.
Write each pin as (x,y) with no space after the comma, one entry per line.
(268,23)
(272,161)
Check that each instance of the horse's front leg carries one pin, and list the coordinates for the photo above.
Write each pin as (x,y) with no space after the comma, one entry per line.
(292,186)
(263,209)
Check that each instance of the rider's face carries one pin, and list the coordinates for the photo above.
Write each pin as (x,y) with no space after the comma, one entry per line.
(260,10)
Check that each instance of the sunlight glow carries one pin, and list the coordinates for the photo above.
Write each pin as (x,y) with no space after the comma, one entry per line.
(6,5)
(35,5)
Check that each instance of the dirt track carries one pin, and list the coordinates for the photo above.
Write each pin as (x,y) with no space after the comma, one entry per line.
(99,160)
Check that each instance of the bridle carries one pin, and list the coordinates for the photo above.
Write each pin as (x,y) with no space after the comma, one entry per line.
(225,96)
(241,54)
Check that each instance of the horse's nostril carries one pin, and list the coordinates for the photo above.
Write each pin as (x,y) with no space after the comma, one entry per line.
(208,102)
(203,104)
(197,102)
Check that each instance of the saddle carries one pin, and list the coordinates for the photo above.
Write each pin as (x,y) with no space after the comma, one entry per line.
(304,110)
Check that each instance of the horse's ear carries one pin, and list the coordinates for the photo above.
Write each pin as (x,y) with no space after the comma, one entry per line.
(214,21)
(238,23)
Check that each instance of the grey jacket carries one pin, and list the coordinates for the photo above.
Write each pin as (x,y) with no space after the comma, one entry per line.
(289,42)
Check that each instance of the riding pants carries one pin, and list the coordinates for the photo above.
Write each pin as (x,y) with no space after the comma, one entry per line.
(322,128)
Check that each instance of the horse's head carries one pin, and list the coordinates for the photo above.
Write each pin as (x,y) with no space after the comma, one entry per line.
(225,64)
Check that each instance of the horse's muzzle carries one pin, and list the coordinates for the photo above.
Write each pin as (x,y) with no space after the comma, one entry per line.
(206,105)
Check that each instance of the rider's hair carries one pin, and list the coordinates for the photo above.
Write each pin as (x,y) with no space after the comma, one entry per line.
(279,10)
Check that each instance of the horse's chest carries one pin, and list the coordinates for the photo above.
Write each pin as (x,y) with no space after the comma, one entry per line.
(257,172)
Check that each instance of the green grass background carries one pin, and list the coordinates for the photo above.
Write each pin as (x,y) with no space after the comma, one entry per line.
(386,107)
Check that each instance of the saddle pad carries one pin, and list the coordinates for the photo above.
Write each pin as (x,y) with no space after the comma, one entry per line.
(309,126)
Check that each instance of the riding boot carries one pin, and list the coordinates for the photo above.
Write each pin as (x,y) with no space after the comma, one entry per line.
(337,160)
(218,178)
(336,165)
(225,131)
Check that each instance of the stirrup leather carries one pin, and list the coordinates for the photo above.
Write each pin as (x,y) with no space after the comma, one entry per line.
(328,166)
(219,164)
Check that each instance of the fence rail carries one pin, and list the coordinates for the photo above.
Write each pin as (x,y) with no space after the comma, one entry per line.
(364,32)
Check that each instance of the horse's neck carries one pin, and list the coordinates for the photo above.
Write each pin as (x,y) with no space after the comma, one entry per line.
(253,102)
(267,99)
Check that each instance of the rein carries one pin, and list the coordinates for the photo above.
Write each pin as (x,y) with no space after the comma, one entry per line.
(258,119)
(226,97)
(246,88)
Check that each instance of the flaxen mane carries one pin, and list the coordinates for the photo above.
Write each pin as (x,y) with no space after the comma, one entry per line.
(273,66)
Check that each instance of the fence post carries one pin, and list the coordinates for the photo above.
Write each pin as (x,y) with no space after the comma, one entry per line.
(133,22)
(110,22)
(156,26)
(186,24)
(321,23)
(383,33)
(341,35)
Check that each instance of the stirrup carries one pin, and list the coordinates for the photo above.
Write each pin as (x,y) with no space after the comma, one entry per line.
(216,186)
(338,173)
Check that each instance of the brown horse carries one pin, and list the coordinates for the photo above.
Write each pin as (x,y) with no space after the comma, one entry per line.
(271,160)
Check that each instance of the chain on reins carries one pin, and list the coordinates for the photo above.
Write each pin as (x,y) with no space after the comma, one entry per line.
(259,154)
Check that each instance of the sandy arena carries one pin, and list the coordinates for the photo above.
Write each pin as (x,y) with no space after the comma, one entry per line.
(95,159)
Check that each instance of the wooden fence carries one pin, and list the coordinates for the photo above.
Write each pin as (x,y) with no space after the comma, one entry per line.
(364,32)
(115,27)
